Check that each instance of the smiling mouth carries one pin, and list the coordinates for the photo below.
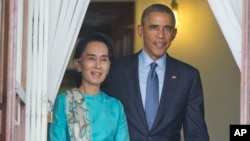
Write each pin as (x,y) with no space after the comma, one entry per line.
(159,44)
(96,74)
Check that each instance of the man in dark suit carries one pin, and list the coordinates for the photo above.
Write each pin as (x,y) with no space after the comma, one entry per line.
(179,95)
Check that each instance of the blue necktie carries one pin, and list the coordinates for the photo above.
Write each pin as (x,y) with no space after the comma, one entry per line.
(152,95)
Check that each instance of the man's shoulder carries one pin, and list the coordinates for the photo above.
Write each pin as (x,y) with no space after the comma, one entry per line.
(180,64)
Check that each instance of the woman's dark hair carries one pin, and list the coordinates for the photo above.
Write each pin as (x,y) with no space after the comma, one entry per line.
(82,44)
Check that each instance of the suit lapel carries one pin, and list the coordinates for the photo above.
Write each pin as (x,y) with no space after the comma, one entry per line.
(132,80)
(170,80)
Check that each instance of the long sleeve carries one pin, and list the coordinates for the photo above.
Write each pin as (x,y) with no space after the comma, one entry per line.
(122,128)
(58,128)
(194,125)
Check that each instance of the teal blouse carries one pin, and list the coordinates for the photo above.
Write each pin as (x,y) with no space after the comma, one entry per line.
(108,120)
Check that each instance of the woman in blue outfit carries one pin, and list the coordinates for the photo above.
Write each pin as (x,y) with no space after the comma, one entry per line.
(85,113)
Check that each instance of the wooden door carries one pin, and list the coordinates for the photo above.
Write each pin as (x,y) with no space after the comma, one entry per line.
(12,94)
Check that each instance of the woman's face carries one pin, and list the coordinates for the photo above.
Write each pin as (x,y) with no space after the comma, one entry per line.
(94,63)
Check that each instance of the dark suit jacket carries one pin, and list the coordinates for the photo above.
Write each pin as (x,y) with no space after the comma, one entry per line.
(181,103)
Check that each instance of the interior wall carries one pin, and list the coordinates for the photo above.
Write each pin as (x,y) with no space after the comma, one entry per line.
(201,43)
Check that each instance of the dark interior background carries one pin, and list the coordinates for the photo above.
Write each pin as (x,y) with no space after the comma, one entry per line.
(115,19)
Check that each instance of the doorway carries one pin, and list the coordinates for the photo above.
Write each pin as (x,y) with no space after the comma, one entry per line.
(116,19)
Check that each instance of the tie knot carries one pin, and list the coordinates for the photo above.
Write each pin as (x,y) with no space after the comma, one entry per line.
(153,65)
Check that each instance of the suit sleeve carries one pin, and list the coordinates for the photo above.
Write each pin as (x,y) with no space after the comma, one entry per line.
(194,124)
(58,128)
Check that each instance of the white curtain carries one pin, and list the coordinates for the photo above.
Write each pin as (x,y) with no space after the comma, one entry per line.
(53,27)
(228,14)
(36,111)
(66,17)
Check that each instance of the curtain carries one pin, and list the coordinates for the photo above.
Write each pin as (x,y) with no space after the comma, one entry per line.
(53,27)
(228,14)
(35,119)
(66,17)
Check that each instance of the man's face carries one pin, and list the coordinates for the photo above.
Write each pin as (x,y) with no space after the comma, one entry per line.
(157,32)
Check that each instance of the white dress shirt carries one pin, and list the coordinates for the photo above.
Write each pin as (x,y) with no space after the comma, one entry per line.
(144,68)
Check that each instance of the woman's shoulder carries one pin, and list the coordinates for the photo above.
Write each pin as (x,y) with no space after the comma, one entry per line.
(61,95)
(60,98)
(110,99)
(112,104)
